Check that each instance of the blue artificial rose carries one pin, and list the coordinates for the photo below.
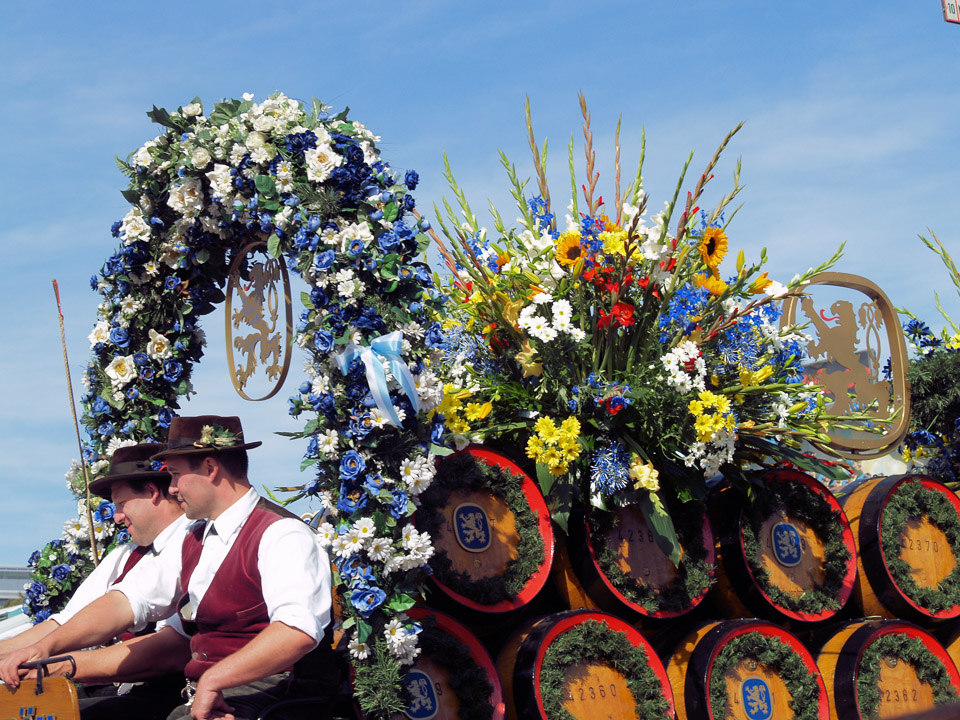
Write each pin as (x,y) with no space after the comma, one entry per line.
(351,465)
(34,558)
(355,248)
(437,431)
(105,429)
(351,499)
(360,428)
(366,600)
(147,372)
(409,203)
(323,341)
(373,483)
(411,178)
(123,537)
(105,510)
(172,370)
(37,589)
(398,508)
(120,337)
(60,572)
(318,298)
(305,387)
(171,283)
(389,241)
(44,615)
(434,336)
(164,416)
(132,393)
(324,260)
(99,406)
(141,359)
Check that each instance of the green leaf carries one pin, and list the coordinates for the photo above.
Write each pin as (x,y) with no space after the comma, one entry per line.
(311,427)
(545,478)
(161,117)
(131,196)
(273,246)
(266,185)
(317,107)
(348,623)
(202,255)
(661,525)
(390,212)
(401,602)
(364,630)
(439,451)
(306,462)
(305,299)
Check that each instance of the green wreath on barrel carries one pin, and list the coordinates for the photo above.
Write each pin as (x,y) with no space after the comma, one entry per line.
(906,649)
(465,472)
(911,501)
(693,572)
(775,655)
(800,502)
(595,640)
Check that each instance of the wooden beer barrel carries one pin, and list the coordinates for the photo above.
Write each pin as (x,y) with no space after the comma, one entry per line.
(789,555)
(886,669)
(590,664)
(745,670)
(55,698)
(908,534)
(454,677)
(492,534)
(612,563)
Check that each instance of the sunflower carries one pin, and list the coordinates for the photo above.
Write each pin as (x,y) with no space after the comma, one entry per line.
(713,247)
(569,249)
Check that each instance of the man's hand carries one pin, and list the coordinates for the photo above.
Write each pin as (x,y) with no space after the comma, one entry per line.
(10,671)
(210,705)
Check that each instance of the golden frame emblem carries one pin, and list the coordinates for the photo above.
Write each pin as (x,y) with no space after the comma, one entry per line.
(260,310)
(839,345)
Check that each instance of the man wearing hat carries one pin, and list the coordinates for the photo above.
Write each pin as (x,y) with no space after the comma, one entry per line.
(140,491)
(153,518)
(252,591)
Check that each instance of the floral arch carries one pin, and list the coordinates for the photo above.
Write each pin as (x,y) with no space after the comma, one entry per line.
(313,186)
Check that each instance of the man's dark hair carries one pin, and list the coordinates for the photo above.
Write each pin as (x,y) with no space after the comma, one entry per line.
(162,485)
(235,462)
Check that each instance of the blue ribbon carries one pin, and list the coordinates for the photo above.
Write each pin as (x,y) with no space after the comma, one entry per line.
(385,347)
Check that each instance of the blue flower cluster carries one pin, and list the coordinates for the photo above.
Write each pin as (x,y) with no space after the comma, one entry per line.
(683,312)
(610,468)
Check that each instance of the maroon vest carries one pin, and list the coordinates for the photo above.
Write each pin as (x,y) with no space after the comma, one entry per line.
(232,610)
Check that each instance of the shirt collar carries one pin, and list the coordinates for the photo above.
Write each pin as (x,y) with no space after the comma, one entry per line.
(233,518)
(176,528)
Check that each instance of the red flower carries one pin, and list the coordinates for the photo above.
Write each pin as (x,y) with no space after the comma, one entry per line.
(620,315)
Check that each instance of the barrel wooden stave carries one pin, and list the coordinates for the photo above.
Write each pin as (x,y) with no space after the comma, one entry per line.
(876,593)
(738,593)
(902,692)
(582,583)
(592,689)
(690,666)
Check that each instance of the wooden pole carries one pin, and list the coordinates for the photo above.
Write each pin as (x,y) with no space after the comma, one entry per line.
(76,427)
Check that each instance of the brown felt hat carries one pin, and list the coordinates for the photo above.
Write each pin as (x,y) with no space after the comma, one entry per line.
(204,434)
(132,462)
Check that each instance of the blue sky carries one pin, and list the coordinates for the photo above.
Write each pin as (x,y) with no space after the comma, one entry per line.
(851,135)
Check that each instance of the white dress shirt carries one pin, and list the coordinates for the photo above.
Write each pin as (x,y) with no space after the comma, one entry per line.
(294,572)
(101,580)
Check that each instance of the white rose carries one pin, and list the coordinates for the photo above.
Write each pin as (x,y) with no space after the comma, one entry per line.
(264,123)
(255,140)
(192,109)
(200,158)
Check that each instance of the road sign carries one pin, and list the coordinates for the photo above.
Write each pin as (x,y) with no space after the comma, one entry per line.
(951,11)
